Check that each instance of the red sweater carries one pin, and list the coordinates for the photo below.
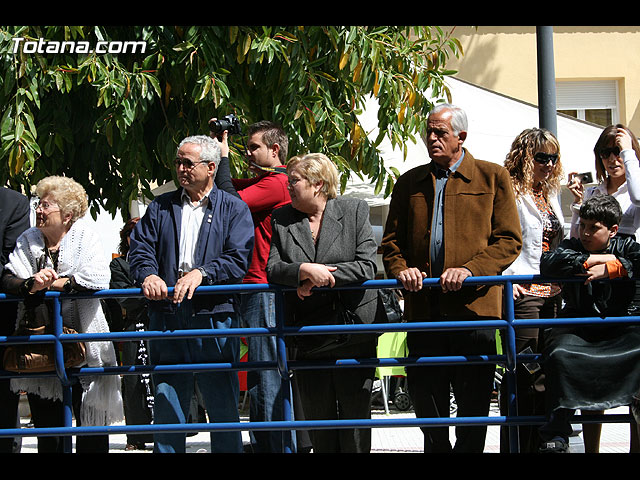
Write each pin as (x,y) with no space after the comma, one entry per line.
(263,195)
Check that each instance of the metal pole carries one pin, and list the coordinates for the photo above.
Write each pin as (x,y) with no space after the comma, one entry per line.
(546,80)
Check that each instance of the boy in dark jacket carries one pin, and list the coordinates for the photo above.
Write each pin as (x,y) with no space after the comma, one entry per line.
(591,367)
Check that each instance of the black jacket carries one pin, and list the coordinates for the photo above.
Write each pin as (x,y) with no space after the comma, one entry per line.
(600,298)
(14,219)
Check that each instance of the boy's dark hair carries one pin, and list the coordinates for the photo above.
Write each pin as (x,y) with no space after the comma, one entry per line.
(602,208)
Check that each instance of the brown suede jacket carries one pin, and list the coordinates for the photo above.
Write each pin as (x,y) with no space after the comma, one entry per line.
(481,233)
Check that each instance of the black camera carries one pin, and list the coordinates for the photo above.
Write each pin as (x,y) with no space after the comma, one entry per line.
(229,123)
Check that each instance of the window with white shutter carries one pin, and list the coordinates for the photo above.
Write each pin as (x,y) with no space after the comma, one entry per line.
(595,101)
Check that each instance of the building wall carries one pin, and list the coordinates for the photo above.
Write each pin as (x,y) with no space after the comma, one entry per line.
(503,59)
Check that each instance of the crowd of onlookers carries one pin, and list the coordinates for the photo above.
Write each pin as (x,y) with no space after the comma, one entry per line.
(451,218)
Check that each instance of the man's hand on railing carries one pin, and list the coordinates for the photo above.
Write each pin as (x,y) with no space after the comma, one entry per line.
(452,278)
(154,288)
(186,285)
(411,279)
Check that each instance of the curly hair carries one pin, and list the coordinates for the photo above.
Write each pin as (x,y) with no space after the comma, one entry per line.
(70,196)
(519,161)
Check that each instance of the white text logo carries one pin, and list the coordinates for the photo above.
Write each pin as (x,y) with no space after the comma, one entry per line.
(54,46)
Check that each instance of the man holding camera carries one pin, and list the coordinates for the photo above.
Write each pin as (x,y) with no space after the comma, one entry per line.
(267,147)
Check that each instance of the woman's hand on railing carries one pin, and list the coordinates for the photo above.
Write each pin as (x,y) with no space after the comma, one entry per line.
(304,290)
(318,274)
(44,279)
(518,291)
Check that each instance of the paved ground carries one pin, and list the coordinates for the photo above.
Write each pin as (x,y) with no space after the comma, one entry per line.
(615,437)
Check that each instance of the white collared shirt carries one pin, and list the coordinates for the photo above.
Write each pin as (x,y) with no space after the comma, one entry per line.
(192,218)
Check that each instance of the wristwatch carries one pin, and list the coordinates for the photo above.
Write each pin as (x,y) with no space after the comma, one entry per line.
(27,285)
(205,277)
(68,286)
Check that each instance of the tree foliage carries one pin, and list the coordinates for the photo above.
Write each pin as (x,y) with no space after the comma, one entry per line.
(112,120)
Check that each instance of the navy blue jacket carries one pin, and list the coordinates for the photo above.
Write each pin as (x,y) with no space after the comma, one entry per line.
(224,247)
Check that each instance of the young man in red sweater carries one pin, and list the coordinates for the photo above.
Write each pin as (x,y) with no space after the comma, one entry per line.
(267,147)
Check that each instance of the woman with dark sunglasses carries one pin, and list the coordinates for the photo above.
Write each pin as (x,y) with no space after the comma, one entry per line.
(535,168)
(616,148)
(618,172)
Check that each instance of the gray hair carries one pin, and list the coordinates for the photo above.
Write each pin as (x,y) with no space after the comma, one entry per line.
(458,117)
(209,149)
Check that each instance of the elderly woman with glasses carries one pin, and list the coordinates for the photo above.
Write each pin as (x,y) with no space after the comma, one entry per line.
(535,168)
(616,155)
(62,253)
(323,240)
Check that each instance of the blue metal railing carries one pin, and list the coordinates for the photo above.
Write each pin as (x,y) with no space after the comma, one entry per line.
(509,359)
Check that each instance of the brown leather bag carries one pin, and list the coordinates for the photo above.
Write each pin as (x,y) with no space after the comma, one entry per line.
(40,357)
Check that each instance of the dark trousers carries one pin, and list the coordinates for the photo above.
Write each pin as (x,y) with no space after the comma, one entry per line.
(339,394)
(47,413)
(530,385)
(430,386)
(9,416)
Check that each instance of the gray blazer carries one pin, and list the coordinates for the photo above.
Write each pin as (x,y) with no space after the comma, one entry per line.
(346,241)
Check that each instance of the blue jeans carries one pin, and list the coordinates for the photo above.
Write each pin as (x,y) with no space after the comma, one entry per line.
(266,394)
(174,391)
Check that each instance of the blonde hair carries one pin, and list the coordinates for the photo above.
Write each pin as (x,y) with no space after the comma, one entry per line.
(316,168)
(519,161)
(70,196)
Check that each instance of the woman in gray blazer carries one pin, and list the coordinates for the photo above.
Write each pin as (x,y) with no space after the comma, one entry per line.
(321,240)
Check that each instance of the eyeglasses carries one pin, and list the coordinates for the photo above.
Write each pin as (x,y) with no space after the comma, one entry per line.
(605,152)
(293,181)
(544,158)
(186,163)
(46,207)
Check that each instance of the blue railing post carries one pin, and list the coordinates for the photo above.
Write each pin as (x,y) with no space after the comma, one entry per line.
(511,366)
(283,369)
(62,374)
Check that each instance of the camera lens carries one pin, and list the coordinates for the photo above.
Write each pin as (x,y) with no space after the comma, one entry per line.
(219,126)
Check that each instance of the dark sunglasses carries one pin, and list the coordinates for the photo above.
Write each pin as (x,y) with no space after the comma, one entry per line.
(544,158)
(605,152)
(188,164)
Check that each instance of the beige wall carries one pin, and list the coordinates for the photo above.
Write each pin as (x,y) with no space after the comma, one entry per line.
(503,59)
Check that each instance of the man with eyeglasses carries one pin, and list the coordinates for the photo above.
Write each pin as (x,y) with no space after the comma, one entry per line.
(266,190)
(450,219)
(14,219)
(197,235)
